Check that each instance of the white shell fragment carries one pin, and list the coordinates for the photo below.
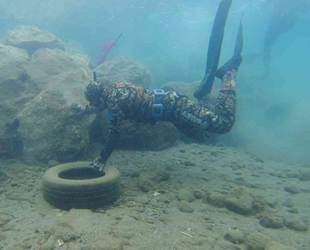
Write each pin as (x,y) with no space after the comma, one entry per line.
(60,243)
(156,194)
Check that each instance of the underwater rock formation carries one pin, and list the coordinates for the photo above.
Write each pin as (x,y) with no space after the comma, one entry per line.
(122,69)
(32,38)
(38,90)
(13,72)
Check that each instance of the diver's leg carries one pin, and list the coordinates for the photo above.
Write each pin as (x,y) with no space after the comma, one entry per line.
(271,36)
(225,107)
(278,24)
(232,64)
(226,104)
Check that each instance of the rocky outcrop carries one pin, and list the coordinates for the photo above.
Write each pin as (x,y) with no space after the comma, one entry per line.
(13,72)
(48,128)
(122,69)
(240,200)
(137,136)
(32,38)
(37,92)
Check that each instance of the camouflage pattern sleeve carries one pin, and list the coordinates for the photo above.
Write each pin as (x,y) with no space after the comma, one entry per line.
(122,101)
(112,138)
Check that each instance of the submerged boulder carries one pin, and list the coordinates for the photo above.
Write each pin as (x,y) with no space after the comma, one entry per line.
(122,69)
(37,92)
(32,38)
(47,63)
(140,136)
(137,136)
(242,200)
(50,130)
(13,72)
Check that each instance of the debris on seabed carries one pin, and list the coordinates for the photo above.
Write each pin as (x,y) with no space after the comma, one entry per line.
(60,243)
(186,234)
(156,194)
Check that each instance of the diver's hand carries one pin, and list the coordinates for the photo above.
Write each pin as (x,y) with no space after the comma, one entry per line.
(98,164)
(78,109)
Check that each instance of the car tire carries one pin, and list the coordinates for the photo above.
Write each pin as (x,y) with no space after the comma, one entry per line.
(78,185)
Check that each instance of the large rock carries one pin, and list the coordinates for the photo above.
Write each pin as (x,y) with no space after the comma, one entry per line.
(137,136)
(271,220)
(256,241)
(122,69)
(52,80)
(32,38)
(48,128)
(47,63)
(13,81)
(185,195)
(36,92)
(295,223)
(242,200)
(13,73)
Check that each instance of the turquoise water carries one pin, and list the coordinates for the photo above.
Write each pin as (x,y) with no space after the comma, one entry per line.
(171,38)
(175,193)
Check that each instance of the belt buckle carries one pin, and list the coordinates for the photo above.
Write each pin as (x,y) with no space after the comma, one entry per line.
(158,107)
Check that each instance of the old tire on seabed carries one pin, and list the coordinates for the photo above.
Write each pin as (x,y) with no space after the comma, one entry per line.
(78,185)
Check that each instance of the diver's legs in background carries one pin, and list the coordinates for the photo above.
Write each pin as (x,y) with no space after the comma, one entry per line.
(271,36)
(278,24)
(266,62)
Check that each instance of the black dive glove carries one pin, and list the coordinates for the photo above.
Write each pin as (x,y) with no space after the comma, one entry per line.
(78,109)
(86,110)
(98,164)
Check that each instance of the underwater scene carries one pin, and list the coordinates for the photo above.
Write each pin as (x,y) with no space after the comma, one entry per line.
(154,125)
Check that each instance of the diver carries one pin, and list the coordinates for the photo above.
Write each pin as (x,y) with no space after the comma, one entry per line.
(283,19)
(125,101)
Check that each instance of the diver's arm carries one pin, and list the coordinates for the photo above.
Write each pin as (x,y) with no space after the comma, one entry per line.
(84,110)
(111,139)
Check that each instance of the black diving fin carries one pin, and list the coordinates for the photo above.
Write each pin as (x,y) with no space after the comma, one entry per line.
(236,60)
(239,40)
(214,50)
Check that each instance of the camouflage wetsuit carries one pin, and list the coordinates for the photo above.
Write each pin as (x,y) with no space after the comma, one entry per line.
(125,101)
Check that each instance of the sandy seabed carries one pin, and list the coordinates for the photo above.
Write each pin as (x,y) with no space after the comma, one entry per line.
(154,220)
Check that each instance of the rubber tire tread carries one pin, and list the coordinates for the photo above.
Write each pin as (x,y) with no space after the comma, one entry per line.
(90,193)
